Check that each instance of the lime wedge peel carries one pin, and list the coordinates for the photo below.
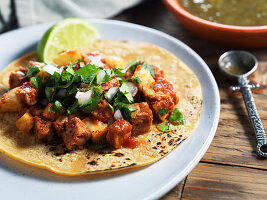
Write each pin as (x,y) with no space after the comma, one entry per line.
(67,34)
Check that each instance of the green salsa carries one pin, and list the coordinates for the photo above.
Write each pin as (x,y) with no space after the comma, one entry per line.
(231,12)
(236,69)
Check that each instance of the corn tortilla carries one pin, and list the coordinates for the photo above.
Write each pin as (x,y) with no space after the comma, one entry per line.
(154,144)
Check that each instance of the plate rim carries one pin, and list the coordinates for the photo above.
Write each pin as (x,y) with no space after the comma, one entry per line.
(168,186)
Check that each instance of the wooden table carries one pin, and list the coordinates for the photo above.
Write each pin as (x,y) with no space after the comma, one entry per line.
(231,168)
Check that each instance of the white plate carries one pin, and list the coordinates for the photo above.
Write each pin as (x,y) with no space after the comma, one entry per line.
(20,181)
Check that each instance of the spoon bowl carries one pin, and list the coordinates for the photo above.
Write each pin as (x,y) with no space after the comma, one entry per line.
(237,63)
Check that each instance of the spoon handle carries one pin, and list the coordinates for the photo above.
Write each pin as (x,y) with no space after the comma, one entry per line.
(253,115)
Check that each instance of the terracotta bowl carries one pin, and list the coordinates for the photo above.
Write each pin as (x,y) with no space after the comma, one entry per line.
(227,35)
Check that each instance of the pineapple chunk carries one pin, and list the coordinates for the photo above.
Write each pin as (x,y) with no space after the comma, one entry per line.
(42,73)
(25,123)
(97,128)
(65,57)
(115,62)
(9,101)
(147,81)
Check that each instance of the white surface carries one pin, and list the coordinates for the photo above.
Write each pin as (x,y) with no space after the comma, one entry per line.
(20,181)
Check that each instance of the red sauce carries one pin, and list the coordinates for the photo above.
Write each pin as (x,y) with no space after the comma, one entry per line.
(164,86)
(131,143)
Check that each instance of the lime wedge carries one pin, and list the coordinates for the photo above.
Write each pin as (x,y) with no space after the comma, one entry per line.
(67,34)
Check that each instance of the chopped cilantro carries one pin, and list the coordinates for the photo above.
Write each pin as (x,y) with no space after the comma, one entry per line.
(92,104)
(67,74)
(148,67)
(177,116)
(124,89)
(69,82)
(80,60)
(56,107)
(89,79)
(106,78)
(70,69)
(120,101)
(50,93)
(164,126)
(36,81)
(133,64)
(98,90)
(127,112)
(163,111)
(74,107)
(137,80)
(86,71)
(33,70)
(103,77)
(111,107)
(117,73)
(72,90)
(126,80)
(53,80)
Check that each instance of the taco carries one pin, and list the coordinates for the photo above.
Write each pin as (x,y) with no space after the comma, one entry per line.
(109,106)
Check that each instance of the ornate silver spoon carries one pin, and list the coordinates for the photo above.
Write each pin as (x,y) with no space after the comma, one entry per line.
(240,65)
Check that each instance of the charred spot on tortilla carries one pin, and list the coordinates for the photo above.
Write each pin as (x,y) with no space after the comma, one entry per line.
(92,163)
(119,154)
(171,142)
(99,113)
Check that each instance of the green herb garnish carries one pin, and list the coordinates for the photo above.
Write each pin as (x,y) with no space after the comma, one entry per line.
(36,81)
(33,70)
(86,71)
(136,80)
(92,104)
(148,67)
(127,112)
(124,89)
(120,101)
(56,107)
(163,111)
(74,107)
(164,126)
(111,107)
(177,116)
(133,64)
(117,73)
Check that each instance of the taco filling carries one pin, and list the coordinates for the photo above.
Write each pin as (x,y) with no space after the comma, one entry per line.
(83,99)
(109,106)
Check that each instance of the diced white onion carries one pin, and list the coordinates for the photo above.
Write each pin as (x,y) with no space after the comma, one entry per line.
(83,97)
(133,89)
(118,115)
(111,93)
(51,69)
(96,60)
(100,76)
(108,71)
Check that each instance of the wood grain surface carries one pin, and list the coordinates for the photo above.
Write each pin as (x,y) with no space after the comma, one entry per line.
(231,168)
